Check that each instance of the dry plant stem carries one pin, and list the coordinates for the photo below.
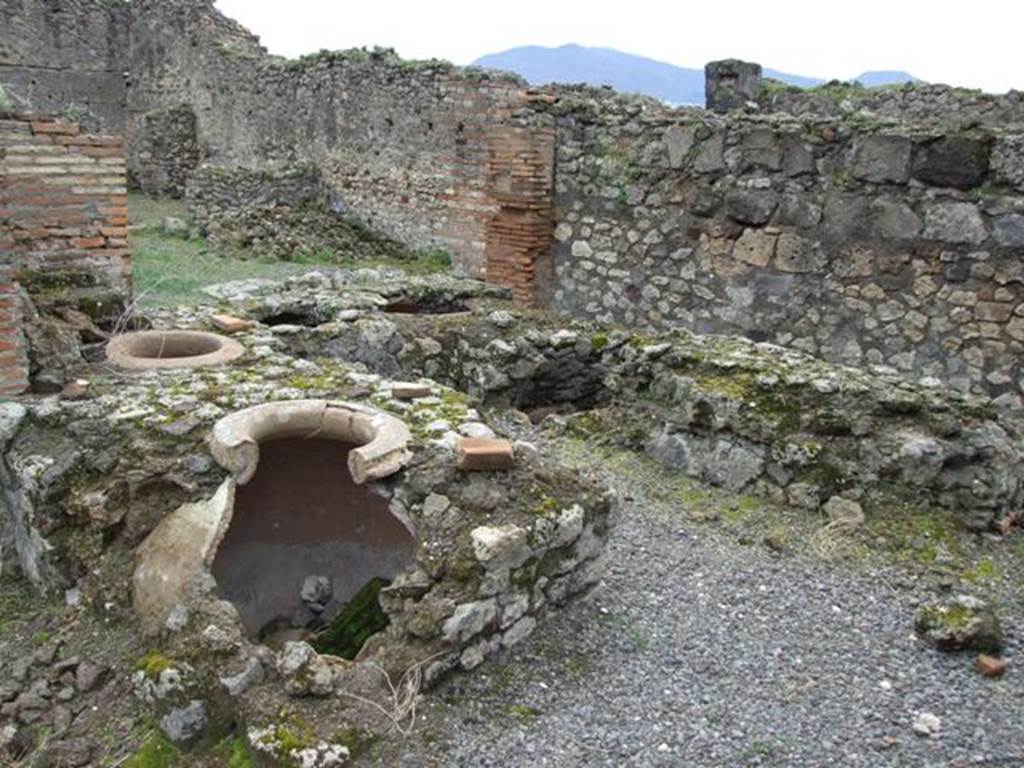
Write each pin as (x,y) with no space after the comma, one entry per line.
(400,709)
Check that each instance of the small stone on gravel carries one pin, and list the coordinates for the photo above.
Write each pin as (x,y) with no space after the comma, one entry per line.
(927,724)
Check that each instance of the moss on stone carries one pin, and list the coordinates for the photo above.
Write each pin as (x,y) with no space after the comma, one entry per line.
(462,565)
(918,535)
(356,740)
(823,474)
(547,506)
(361,617)
(153,664)
(953,617)
(239,756)
(985,571)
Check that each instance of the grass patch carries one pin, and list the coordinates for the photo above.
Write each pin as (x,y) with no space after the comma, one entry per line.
(14,598)
(170,270)
(233,752)
(155,752)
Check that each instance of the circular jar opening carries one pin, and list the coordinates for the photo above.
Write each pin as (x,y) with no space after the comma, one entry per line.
(171,349)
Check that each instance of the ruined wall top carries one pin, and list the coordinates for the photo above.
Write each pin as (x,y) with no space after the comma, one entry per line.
(734,85)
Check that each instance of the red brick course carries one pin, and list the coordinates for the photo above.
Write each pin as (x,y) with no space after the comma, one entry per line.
(63,209)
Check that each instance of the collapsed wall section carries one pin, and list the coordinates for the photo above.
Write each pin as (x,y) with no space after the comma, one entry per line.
(864,242)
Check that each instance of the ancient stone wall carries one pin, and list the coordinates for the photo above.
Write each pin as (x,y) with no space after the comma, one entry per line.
(734,85)
(67,57)
(63,210)
(826,226)
(164,148)
(285,211)
(403,145)
(217,196)
(862,242)
(912,102)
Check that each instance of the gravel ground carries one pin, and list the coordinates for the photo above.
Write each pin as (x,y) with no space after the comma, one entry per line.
(699,650)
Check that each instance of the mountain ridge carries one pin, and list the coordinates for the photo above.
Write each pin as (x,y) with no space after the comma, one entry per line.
(573,63)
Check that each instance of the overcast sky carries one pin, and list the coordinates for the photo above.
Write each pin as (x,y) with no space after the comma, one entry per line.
(974,43)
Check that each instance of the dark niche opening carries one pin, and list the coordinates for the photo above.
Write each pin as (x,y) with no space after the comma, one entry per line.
(567,384)
(306,547)
(294,317)
(425,305)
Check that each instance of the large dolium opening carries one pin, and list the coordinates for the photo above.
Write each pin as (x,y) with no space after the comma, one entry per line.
(308,548)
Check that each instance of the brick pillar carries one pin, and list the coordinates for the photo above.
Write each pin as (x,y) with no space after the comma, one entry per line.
(521,182)
(13,362)
(63,225)
(63,205)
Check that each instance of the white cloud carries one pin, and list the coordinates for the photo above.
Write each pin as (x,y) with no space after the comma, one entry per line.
(968,44)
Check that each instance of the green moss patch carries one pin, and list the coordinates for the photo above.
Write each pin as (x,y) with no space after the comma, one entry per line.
(361,617)
(153,664)
(155,752)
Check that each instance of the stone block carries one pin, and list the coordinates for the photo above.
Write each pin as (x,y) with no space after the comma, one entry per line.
(1008,161)
(754,247)
(798,159)
(957,223)
(482,454)
(751,206)
(892,220)
(952,161)
(761,149)
(845,217)
(729,84)
(679,141)
(406,390)
(882,159)
(1008,230)
(230,324)
(796,254)
(710,154)
(797,211)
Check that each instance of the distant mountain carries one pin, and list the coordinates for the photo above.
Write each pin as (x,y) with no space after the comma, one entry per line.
(631,73)
(884,77)
(601,66)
